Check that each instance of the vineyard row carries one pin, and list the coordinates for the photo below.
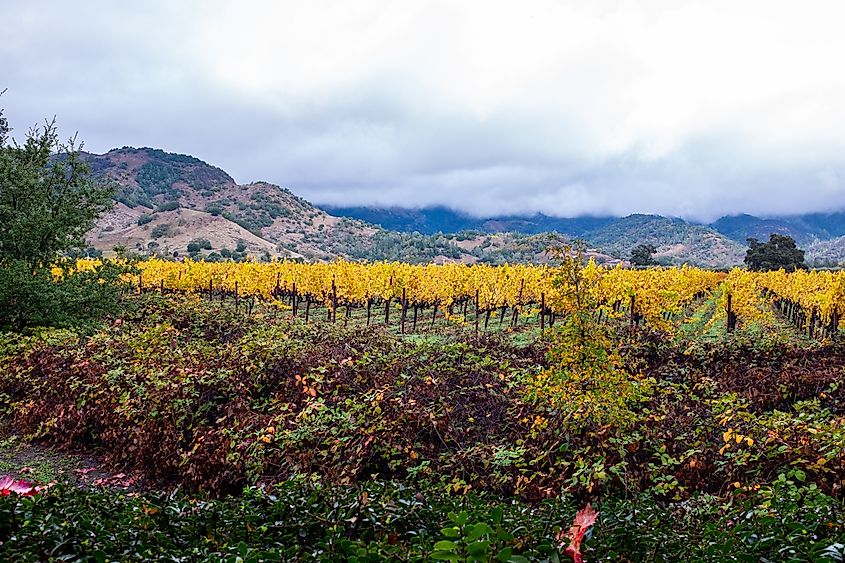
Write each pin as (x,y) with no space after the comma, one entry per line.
(654,296)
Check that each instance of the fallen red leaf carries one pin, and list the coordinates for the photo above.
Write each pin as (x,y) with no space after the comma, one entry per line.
(9,485)
(584,519)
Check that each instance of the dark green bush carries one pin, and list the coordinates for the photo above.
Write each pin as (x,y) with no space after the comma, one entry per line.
(199,244)
(32,299)
(162,230)
(168,206)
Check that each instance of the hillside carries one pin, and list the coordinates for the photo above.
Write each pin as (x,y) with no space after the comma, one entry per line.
(825,253)
(676,240)
(173,205)
(430,220)
(167,200)
(742,227)
(169,204)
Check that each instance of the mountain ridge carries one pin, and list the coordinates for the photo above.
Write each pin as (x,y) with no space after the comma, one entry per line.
(168,203)
(171,205)
(820,233)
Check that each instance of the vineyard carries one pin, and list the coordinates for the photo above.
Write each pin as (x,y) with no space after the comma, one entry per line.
(456,292)
(416,296)
(392,412)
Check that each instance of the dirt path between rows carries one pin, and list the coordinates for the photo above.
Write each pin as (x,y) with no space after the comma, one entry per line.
(42,465)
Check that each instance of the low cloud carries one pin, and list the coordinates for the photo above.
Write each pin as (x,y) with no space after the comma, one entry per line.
(678,108)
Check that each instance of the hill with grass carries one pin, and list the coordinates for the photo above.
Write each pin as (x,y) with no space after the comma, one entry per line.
(175,205)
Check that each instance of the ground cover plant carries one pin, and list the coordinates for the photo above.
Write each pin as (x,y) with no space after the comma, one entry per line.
(690,448)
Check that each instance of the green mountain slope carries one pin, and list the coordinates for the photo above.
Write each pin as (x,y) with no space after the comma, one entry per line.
(676,241)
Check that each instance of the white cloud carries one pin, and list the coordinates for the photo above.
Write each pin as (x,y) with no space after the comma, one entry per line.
(677,107)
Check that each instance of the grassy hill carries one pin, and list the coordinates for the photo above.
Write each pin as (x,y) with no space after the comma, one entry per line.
(171,204)
(167,200)
(168,203)
(676,240)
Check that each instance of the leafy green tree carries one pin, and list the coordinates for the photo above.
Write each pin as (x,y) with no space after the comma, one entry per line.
(780,252)
(48,202)
(47,198)
(642,255)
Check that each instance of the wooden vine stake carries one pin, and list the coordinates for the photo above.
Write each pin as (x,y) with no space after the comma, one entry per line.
(542,313)
(476,313)
(812,326)
(731,323)
(517,305)
(334,301)
(404,310)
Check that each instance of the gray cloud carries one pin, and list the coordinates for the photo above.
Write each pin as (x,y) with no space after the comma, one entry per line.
(662,107)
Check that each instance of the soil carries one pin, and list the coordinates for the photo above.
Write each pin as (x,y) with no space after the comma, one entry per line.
(43,465)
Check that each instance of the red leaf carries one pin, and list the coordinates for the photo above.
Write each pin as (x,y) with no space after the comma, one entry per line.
(584,519)
(9,485)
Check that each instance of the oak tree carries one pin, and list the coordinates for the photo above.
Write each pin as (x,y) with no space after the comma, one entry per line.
(48,201)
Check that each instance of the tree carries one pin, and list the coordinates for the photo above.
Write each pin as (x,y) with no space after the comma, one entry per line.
(642,255)
(586,383)
(780,252)
(48,201)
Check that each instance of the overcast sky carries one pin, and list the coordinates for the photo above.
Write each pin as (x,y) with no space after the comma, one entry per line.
(683,108)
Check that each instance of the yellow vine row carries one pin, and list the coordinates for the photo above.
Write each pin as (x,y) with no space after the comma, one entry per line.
(659,292)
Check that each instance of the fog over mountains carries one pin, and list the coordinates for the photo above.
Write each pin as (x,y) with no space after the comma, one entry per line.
(562,108)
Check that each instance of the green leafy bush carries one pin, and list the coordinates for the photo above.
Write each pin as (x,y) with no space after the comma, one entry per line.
(168,206)
(388,521)
(76,299)
(162,230)
(199,244)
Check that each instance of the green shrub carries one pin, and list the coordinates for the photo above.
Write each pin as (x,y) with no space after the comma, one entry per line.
(77,299)
(162,230)
(199,244)
(388,521)
(168,206)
